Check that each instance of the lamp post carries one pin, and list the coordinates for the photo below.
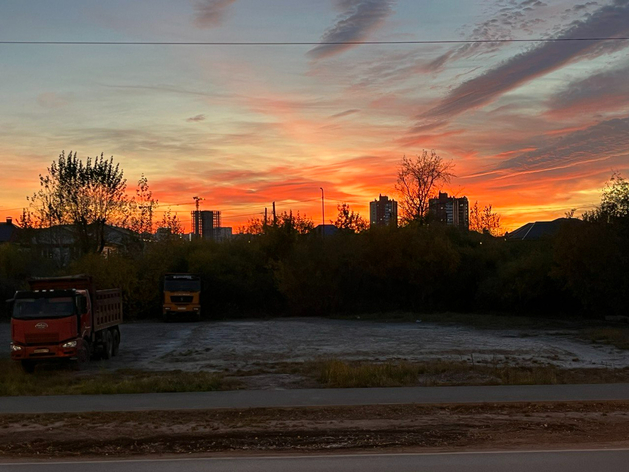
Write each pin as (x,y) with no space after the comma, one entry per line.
(322,212)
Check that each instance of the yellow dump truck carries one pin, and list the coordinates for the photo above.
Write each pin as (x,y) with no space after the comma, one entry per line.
(182,297)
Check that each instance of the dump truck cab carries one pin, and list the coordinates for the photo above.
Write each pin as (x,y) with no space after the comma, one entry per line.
(64,318)
(49,324)
(182,297)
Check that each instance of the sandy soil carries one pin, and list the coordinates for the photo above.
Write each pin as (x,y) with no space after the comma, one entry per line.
(237,345)
(249,345)
(403,427)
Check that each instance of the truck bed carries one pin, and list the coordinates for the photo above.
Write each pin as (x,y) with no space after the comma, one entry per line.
(108,309)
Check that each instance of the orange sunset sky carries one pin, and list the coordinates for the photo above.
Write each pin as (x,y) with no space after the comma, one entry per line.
(534,128)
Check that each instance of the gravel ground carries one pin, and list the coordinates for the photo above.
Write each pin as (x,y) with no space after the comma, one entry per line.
(385,427)
(247,345)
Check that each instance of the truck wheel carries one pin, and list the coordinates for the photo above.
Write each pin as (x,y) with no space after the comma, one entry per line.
(116,341)
(107,345)
(28,366)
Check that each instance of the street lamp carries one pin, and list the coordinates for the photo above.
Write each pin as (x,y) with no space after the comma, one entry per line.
(322,212)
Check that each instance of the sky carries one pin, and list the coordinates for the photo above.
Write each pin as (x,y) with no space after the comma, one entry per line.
(533,128)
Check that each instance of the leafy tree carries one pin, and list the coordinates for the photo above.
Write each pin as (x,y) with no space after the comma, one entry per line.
(26,219)
(290,223)
(172,225)
(484,220)
(142,208)
(253,226)
(418,181)
(614,202)
(88,195)
(349,220)
(285,222)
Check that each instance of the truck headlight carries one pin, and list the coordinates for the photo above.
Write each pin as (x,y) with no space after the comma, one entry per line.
(69,344)
(15,347)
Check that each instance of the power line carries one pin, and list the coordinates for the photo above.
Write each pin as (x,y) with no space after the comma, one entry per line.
(306,43)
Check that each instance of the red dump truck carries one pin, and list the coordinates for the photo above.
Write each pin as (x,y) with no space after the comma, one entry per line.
(64,318)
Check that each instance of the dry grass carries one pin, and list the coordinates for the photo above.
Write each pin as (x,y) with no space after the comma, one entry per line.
(335,373)
(59,382)
(618,337)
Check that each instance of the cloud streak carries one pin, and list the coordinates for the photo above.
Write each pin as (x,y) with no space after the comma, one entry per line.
(211,13)
(603,141)
(196,119)
(597,93)
(609,21)
(359,18)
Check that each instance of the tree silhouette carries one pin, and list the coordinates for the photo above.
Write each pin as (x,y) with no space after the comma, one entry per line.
(86,195)
(142,207)
(417,182)
(484,220)
(349,220)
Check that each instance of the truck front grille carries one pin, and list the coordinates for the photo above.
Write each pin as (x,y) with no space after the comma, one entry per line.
(41,338)
(181,299)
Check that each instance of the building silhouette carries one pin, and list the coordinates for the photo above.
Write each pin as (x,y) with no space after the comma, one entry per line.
(383,212)
(451,211)
(206,224)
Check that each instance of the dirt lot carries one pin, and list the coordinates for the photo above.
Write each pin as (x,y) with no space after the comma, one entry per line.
(403,427)
(260,346)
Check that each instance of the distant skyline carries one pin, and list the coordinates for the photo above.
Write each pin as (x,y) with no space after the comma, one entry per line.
(534,128)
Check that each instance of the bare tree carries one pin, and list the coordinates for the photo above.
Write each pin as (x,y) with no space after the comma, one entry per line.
(418,181)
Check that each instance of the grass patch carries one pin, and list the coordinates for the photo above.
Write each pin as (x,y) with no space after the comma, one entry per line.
(618,337)
(335,373)
(59,382)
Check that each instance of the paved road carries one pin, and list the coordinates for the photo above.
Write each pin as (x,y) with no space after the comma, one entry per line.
(573,461)
(312,397)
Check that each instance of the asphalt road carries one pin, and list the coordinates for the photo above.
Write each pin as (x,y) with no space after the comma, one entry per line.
(553,461)
(312,397)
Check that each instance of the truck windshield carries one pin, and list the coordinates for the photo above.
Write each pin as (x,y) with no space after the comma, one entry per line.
(182,285)
(35,308)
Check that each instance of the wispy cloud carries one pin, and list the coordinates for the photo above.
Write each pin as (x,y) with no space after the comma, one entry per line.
(608,21)
(54,100)
(196,119)
(604,141)
(359,18)
(211,13)
(510,17)
(345,113)
(597,93)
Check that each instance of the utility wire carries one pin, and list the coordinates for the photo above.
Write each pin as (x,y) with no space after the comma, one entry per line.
(306,43)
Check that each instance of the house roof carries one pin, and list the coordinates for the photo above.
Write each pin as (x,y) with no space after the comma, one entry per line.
(8,232)
(65,235)
(540,229)
(328,230)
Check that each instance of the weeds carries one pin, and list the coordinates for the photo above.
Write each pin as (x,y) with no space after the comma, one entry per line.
(58,382)
(618,337)
(339,374)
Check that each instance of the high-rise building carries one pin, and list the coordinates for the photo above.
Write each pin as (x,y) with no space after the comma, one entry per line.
(205,224)
(383,212)
(450,210)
